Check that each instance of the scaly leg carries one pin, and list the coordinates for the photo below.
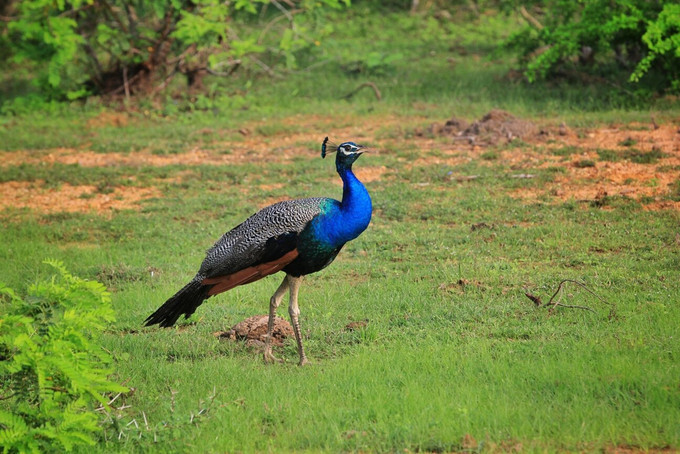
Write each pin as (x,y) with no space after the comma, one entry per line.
(294,312)
(273,304)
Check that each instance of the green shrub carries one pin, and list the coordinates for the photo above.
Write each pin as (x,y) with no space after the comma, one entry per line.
(52,370)
(641,37)
(81,47)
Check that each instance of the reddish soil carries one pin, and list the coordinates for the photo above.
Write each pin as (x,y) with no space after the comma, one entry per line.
(519,144)
(67,198)
(587,176)
(600,178)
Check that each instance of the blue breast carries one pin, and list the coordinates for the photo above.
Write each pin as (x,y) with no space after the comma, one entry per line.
(340,222)
(336,224)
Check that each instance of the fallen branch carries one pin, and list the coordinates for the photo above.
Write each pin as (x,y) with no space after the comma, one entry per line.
(365,84)
(266,68)
(555,300)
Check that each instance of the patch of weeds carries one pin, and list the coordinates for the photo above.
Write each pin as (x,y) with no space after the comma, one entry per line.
(567,150)
(606,154)
(675,191)
(437,153)
(105,187)
(519,143)
(644,157)
(667,168)
(637,127)
(56,174)
(583,163)
(61,216)
(168,149)
(614,201)
(273,129)
(632,154)
(555,169)
(117,146)
(629,142)
(489,155)
(114,275)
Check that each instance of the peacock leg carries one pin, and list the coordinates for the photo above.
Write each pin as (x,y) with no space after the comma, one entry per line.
(294,312)
(273,305)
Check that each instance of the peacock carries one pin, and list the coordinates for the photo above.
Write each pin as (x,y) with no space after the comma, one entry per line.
(298,237)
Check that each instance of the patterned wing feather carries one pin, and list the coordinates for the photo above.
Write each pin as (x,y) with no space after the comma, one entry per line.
(264,237)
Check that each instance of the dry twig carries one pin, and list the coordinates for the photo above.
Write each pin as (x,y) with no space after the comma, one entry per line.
(555,300)
(365,84)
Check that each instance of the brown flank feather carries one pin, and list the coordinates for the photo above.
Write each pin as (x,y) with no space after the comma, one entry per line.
(248,275)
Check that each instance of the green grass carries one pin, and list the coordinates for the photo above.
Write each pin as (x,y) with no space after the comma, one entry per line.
(631,154)
(452,345)
(437,360)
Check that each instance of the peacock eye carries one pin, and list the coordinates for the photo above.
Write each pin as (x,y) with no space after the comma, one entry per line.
(347,148)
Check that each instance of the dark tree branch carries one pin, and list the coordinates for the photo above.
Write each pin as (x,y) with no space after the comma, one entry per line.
(376,91)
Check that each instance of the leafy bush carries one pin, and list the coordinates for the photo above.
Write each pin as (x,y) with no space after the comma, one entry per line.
(52,371)
(639,36)
(81,47)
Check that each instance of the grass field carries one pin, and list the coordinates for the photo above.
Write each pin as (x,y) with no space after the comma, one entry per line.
(453,355)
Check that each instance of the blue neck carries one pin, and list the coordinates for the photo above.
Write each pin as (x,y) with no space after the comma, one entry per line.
(347,219)
(356,203)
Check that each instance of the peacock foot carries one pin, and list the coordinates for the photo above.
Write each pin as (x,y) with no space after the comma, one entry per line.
(269,357)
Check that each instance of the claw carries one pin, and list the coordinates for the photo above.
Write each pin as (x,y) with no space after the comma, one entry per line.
(269,358)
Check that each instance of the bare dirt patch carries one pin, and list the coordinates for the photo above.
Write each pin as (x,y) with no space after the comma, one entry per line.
(68,198)
(638,161)
(590,177)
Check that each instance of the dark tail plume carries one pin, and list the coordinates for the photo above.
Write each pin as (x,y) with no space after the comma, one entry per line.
(183,302)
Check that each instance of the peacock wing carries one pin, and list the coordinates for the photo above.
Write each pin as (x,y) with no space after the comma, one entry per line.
(261,245)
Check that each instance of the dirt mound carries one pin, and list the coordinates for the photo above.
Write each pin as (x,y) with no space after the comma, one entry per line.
(494,127)
(253,330)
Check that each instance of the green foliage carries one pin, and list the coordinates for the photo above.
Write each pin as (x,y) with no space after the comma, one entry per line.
(663,40)
(642,38)
(52,370)
(80,47)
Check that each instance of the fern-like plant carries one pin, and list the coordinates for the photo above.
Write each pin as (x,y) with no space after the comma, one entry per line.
(52,370)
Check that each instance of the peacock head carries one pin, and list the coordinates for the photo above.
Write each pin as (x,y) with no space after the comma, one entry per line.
(347,152)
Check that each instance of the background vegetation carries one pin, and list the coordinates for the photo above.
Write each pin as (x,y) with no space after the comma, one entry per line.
(75,49)
(449,353)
